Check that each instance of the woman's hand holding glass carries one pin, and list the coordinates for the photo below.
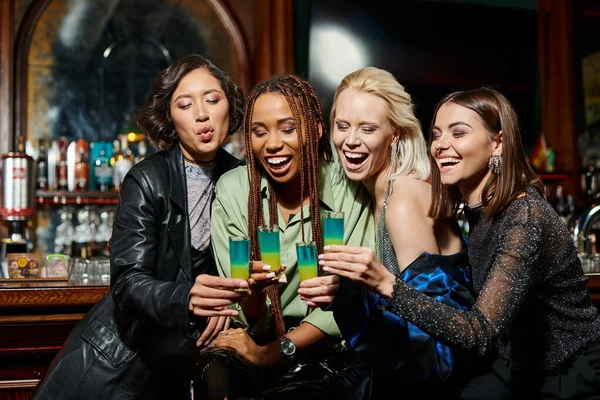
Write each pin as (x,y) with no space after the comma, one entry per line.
(211,295)
(262,276)
(359,264)
(319,291)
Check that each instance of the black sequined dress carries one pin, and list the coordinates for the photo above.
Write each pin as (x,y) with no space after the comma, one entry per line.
(533,301)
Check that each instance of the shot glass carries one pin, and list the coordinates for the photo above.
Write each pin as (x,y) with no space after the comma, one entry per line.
(333,228)
(268,239)
(307,260)
(239,258)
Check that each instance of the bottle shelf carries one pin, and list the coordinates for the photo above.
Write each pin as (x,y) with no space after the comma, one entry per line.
(83,198)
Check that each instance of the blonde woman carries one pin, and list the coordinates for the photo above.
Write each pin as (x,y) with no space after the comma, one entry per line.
(380,143)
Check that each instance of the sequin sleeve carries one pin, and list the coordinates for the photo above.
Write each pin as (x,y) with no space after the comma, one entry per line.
(501,295)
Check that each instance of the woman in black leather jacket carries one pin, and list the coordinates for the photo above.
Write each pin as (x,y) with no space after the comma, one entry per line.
(140,340)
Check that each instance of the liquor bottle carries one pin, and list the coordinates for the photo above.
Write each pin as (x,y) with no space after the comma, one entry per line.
(42,166)
(103,171)
(570,204)
(123,162)
(62,175)
(82,236)
(142,150)
(81,166)
(116,150)
(589,184)
(64,232)
(560,204)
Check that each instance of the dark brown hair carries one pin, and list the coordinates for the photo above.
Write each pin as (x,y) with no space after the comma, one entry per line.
(155,115)
(497,114)
(308,116)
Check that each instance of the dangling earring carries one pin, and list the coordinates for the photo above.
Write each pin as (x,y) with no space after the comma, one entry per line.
(394,157)
(495,163)
(393,168)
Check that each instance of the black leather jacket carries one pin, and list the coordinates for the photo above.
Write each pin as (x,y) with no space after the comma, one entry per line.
(140,336)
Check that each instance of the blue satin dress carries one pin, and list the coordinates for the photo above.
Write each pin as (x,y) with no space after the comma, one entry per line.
(399,352)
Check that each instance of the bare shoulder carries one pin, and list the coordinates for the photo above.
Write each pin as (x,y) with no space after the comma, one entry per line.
(411,192)
(409,227)
(410,199)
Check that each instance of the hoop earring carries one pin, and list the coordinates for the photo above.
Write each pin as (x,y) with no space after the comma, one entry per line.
(495,164)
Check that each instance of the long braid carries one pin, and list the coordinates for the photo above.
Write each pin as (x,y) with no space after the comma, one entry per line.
(300,132)
(254,207)
(314,117)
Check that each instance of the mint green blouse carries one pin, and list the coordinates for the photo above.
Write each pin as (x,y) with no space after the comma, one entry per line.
(336,193)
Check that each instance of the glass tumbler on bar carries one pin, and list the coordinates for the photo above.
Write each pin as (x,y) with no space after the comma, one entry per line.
(239,258)
(333,228)
(268,238)
(307,260)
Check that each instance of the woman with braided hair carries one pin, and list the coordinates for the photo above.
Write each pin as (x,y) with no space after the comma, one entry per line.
(279,346)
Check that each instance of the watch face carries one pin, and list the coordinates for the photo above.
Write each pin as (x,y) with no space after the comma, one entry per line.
(287,347)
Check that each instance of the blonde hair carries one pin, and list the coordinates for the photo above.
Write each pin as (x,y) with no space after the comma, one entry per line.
(411,155)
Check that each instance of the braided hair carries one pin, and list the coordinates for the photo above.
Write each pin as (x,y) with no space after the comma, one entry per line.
(313,138)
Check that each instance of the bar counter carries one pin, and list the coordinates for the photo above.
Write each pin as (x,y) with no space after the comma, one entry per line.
(35,319)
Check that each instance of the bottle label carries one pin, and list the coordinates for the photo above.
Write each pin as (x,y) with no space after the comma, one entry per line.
(103,174)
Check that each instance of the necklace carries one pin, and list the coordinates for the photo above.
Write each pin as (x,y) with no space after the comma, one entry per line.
(200,163)
(474,205)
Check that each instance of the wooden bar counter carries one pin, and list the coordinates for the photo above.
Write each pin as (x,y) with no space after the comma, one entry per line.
(35,319)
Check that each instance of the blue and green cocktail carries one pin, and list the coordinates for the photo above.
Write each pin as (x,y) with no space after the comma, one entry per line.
(268,238)
(307,260)
(333,228)
(239,258)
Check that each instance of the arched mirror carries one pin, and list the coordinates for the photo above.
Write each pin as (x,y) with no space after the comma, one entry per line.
(84,66)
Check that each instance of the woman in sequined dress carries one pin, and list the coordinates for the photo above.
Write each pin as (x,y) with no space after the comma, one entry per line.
(533,303)
(380,143)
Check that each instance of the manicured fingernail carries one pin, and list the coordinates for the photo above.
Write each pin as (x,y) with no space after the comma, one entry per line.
(204,350)
(266,267)
(199,344)
(321,256)
(321,262)
(326,269)
(243,284)
(327,248)
(270,274)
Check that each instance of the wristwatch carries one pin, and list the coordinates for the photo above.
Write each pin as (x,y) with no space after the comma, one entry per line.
(287,346)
